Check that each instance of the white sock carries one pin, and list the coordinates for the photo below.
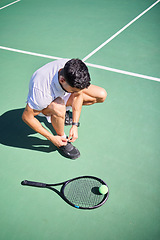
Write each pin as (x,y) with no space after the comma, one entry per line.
(68,108)
(64,136)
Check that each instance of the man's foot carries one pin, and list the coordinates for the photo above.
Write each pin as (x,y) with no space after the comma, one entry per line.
(68,118)
(69,151)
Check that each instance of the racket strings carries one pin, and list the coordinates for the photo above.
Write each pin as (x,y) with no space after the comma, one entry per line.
(83,192)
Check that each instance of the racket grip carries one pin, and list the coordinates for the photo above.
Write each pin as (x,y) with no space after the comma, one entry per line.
(33,184)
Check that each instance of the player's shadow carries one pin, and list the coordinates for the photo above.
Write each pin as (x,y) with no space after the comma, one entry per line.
(15,133)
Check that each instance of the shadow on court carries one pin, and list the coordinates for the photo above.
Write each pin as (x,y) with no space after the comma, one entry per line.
(15,133)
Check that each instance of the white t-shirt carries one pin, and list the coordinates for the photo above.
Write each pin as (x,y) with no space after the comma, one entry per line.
(44,86)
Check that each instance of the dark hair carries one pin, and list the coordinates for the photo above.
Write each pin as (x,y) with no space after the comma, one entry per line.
(76,74)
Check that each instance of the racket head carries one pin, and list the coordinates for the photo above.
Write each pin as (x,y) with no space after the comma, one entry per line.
(83,192)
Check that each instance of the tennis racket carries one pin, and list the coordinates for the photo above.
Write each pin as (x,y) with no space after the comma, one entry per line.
(81,192)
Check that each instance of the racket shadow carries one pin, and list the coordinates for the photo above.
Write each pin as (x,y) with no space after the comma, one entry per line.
(15,133)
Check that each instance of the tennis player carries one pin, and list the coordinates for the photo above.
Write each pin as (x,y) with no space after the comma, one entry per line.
(53,89)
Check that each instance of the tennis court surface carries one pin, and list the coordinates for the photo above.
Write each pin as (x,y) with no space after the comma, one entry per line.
(119,140)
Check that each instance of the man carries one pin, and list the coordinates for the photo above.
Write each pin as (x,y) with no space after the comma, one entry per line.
(54,88)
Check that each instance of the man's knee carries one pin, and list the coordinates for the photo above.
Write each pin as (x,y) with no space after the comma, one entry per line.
(59,108)
(102,95)
(56,108)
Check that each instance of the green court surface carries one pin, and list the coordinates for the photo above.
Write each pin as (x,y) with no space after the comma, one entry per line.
(119,140)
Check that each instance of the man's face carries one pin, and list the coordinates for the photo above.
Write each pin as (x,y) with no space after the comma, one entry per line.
(66,87)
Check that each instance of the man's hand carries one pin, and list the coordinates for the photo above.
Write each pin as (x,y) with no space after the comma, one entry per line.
(29,118)
(59,141)
(73,134)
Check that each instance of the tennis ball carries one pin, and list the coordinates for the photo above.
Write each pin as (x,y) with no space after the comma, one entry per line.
(103,189)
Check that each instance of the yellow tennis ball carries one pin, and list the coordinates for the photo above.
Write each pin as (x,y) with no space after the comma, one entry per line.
(103,189)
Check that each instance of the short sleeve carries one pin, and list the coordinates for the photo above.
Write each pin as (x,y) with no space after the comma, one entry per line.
(37,100)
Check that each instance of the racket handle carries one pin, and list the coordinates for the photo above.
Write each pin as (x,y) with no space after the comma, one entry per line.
(33,184)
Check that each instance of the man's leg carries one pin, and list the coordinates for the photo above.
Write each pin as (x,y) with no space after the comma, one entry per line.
(93,94)
(57,111)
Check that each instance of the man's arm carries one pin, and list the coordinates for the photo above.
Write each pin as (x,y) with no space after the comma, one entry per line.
(29,118)
(76,111)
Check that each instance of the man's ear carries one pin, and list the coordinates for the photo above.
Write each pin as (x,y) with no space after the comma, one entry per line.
(61,79)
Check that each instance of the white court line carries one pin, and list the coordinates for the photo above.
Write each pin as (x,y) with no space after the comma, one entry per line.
(88,64)
(29,53)
(121,30)
(123,72)
(10,4)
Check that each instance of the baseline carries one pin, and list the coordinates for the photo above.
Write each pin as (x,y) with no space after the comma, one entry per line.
(123,72)
(88,64)
(29,53)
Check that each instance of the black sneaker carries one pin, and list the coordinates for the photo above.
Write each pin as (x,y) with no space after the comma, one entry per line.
(69,151)
(68,118)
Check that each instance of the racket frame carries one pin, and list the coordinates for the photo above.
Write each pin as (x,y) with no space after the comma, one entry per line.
(64,184)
